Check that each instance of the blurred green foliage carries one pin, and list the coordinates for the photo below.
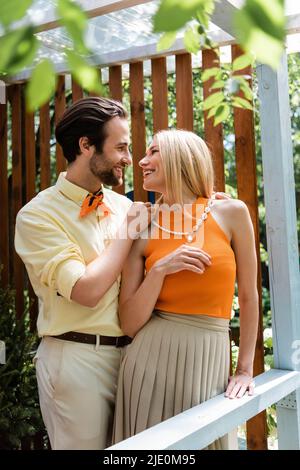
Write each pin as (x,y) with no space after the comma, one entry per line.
(19,47)
(259,27)
(20,416)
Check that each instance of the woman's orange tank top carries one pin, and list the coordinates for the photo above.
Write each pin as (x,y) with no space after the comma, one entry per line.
(187,292)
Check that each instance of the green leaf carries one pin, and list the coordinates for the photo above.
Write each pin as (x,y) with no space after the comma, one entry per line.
(268,18)
(13,10)
(166,41)
(174,14)
(75,21)
(241,62)
(241,103)
(222,113)
(203,15)
(213,100)
(85,74)
(41,86)
(208,73)
(192,40)
(209,44)
(247,91)
(18,49)
(217,84)
(243,85)
(261,30)
(211,112)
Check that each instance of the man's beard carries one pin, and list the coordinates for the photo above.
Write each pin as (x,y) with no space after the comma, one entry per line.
(107,177)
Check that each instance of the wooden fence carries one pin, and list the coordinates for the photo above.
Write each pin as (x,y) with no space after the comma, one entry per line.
(31,164)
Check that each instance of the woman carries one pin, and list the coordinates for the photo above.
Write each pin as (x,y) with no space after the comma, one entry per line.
(177,291)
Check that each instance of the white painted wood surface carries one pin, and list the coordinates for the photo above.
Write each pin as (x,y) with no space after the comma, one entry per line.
(199,426)
(132,54)
(281,224)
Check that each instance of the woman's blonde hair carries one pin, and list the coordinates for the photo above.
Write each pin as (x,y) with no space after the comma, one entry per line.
(187,162)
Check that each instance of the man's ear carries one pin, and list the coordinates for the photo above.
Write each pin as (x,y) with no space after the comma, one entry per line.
(84,144)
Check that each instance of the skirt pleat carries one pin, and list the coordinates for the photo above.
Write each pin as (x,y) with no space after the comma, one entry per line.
(149,381)
(171,382)
(175,362)
(157,404)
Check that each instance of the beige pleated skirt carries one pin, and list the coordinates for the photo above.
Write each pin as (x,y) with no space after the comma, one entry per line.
(174,363)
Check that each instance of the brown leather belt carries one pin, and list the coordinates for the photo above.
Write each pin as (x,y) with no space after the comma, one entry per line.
(118,341)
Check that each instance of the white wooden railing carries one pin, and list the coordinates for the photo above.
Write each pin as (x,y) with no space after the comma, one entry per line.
(201,425)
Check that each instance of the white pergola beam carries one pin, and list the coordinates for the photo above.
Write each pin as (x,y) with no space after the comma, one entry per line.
(293,24)
(282,240)
(199,426)
(223,16)
(133,54)
(92,8)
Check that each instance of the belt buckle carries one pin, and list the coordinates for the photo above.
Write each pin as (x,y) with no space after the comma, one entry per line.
(118,342)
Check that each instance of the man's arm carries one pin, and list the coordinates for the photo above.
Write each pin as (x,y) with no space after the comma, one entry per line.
(101,273)
(59,264)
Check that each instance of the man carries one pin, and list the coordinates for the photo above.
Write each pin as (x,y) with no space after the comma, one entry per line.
(69,237)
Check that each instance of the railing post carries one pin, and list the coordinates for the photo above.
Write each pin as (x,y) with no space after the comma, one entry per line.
(281,221)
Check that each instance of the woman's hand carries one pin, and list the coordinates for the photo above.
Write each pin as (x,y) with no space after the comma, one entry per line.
(139,217)
(185,257)
(239,384)
(220,195)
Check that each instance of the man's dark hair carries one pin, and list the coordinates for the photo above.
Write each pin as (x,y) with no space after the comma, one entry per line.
(86,118)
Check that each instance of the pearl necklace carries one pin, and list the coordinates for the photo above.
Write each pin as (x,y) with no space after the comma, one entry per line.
(189,235)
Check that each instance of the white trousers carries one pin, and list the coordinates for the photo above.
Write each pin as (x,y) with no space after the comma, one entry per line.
(77,385)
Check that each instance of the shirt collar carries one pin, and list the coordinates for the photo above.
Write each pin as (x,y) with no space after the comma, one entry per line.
(74,192)
(70,190)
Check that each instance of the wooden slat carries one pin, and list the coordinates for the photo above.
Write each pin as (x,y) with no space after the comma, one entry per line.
(138,127)
(60,106)
(30,158)
(184,92)
(94,93)
(213,134)
(116,92)
(159,97)
(45,134)
(159,94)
(4,232)
(115,82)
(247,192)
(77,91)
(18,274)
